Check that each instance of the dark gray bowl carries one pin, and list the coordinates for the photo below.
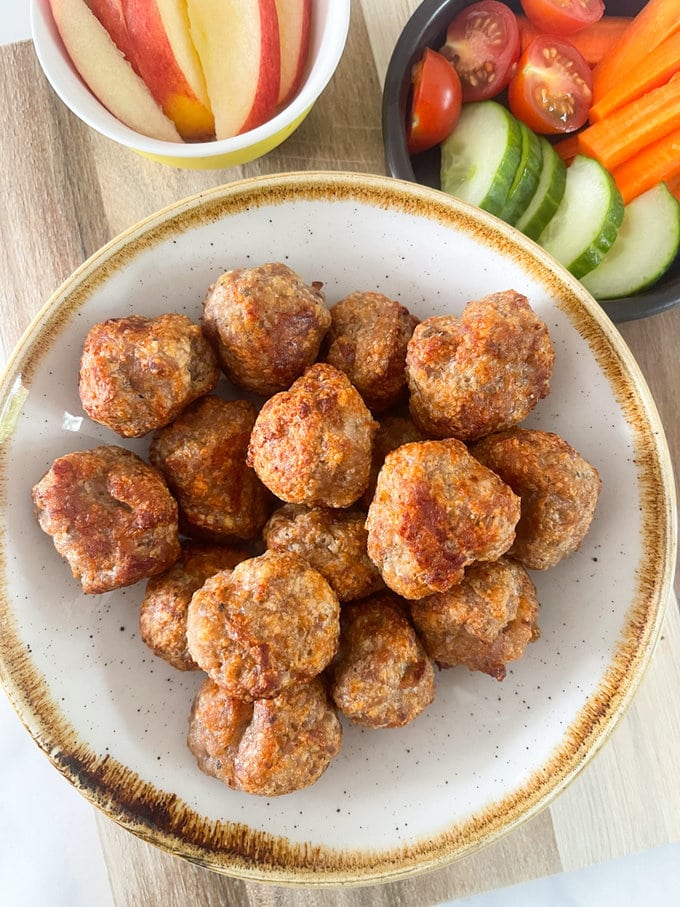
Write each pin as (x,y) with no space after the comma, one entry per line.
(427,28)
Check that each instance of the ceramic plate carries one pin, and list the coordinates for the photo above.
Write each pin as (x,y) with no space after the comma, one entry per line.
(486,755)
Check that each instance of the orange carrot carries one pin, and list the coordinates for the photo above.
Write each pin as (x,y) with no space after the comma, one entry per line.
(568,147)
(631,128)
(593,41)
(673,184)
(657,20)
(654,70)
(656,163)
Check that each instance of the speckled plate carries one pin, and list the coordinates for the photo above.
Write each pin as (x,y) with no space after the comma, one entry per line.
(485,755)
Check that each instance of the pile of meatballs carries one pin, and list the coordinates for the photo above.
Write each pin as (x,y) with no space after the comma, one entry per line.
(375,514)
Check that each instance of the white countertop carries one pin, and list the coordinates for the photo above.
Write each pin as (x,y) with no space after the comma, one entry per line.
(51,853)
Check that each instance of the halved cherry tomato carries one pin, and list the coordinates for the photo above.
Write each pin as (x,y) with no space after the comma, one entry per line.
(563,17)
(552,88)
(483,44)
(435,104)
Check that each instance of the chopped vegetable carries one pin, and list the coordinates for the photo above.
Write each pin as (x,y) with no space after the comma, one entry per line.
(646,244)
(551,90)
(568,147)
(526,177)
(482,44)
(657,20)
(436,102)
(653,70)
(631,128)
(656,163)
(548,195)
(593,41)
(562,17)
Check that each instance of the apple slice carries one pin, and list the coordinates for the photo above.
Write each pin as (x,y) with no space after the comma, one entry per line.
(294,27)
(238,45)
(167,61)
(107,73)
(110,14)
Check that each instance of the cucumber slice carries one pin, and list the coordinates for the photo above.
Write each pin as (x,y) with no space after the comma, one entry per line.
(645,248)
(548,195)
(527,177)
(585,225)
(480,157)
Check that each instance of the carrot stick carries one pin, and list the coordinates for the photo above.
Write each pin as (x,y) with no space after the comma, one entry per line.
(631,128)
(658,20)
(568,147)
(656,163)
(593,41)
(673,184)
(655,69)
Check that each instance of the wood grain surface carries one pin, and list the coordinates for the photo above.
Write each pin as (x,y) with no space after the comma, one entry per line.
(65,191)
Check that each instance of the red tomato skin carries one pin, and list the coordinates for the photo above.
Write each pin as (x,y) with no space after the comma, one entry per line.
(563,17)
(572,93)
(436,102)
(483,45)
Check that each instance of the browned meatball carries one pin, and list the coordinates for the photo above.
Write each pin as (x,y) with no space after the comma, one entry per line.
(482,623)
(138,373)
(266,324)
(268,747)
(393,431)
(557,487)
(382,676)
(110,515)
(479,373)
(203,457)
(312,444)
(163,615)
(271,622)
(367,341)
(434,512)
(331,541)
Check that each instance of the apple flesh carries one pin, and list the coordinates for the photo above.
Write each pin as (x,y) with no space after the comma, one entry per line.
(167,61)
(238,45)
(110,14)
(107,73)
(294,27)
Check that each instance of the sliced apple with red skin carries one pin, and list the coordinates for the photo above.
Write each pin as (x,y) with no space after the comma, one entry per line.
(238,45)
(167,61)
(295,18)
(107,73)
(110,14)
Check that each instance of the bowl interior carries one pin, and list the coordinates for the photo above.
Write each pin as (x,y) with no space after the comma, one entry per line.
(427,28)
(113,717)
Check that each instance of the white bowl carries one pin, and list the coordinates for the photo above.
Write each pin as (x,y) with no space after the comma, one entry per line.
(329,26)
(486,755)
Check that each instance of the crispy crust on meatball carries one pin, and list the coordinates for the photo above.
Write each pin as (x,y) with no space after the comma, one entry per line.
(558,488)
(271,622)
(163,614)
(138,373)
(393,431)
(367,341)
(312,444)
(269,747)
(484,622)
(482,372)
(266,325)
(331,541)
(433,513)
(202,454)
(382,676)
(110,515)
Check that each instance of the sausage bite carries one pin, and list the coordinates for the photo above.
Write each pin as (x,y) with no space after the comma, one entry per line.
(479,373)
(435,511)
(138,373)
(110,515)
(266,325)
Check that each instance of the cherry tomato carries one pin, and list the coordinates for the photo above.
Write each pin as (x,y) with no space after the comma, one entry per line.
(483,44)
(563,17)
(435,104)
(552,88)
